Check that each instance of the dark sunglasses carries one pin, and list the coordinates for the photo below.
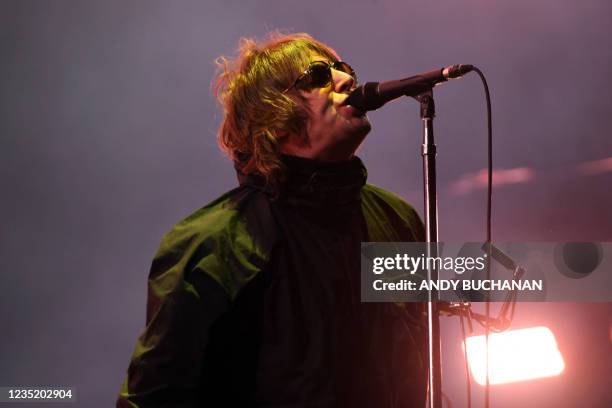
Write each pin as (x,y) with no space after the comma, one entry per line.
(319,75)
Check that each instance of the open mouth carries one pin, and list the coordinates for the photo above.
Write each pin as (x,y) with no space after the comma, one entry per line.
(349,110)
(352,111)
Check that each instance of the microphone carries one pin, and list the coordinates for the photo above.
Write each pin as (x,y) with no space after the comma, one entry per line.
(373,95)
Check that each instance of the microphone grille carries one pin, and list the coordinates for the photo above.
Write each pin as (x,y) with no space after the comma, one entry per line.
(365,97)
(456,71)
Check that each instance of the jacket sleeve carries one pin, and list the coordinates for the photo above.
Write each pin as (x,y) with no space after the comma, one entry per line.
(166,363)
(200,267)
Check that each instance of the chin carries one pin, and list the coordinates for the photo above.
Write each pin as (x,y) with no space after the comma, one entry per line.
(361,127)
(355,136)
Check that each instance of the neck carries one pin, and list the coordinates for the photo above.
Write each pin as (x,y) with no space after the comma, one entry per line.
(302,147)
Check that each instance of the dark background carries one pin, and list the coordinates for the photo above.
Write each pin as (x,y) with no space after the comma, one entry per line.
(108,125)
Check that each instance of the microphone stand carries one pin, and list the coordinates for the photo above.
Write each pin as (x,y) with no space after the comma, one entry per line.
(428,151)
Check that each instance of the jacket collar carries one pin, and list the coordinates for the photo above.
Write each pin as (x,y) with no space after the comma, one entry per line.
(314,183)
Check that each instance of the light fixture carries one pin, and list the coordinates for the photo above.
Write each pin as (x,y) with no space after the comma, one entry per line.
(515,355)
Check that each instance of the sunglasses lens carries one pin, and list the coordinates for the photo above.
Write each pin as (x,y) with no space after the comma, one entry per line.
(346,68)
(320,75)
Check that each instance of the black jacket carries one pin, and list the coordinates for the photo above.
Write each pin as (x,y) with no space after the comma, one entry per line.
(254,301)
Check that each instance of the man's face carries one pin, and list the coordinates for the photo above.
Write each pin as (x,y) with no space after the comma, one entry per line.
(334,130)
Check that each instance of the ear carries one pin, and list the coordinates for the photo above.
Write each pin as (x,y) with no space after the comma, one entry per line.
(280,135)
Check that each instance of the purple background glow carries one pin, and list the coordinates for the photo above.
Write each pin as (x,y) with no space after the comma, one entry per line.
(108,138)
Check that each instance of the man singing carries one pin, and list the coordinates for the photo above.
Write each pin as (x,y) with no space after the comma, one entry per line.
(254,300)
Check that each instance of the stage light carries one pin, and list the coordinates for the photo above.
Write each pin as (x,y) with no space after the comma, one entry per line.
(516,355)
(596,166)
(475,181)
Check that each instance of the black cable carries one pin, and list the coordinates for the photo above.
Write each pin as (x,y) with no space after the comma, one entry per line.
(489,194)
(468,383)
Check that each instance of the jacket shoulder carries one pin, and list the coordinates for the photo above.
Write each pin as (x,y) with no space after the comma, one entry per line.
(387,211)
(229,240)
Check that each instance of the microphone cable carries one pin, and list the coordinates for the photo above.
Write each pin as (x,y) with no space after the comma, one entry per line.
(468,383)
(487,394)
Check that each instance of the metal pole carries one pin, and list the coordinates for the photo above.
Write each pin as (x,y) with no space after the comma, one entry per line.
(431,230)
